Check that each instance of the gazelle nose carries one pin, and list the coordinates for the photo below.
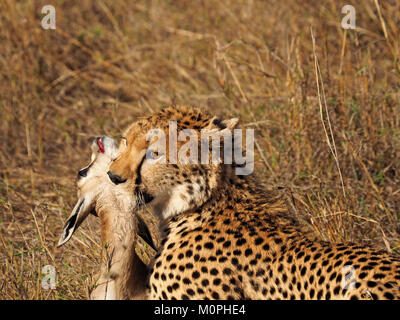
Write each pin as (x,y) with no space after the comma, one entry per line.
(116,179)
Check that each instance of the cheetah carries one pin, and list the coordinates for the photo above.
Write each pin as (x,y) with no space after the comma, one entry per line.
(225,237)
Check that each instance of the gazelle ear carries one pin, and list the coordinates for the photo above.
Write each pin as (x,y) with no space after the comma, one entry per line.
(104,145)
(110,147)
(78,215)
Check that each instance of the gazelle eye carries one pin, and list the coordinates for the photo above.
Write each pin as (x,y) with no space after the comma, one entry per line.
(83,172)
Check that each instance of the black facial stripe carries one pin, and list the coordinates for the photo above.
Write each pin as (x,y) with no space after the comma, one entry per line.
(144,232)
(71,222)
(138,175)
(146,197)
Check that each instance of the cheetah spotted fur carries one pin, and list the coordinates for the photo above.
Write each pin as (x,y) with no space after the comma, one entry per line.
(225,237)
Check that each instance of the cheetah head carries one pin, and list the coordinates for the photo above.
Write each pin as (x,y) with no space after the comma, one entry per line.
(171,183)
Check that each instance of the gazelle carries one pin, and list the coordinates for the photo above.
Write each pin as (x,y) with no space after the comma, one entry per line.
(123,274)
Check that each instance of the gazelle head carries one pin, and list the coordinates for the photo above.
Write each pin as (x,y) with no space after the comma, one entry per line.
(92,182)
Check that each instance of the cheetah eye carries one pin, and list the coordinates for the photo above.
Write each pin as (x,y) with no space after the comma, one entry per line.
(153,156)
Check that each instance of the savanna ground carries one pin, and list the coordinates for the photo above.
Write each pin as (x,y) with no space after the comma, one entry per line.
(109,62)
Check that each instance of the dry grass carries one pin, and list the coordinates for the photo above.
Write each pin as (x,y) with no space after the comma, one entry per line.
(110,61)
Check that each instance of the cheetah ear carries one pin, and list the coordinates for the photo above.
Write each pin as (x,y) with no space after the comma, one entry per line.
(212,124)
(216,123)
(230,124)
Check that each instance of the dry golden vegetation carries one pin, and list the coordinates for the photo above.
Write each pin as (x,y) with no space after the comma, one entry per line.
(109,62)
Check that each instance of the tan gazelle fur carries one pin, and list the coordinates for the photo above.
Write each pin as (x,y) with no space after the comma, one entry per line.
(123,274)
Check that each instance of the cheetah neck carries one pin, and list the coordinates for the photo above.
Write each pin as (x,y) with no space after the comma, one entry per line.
(230,193)
(236,199)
